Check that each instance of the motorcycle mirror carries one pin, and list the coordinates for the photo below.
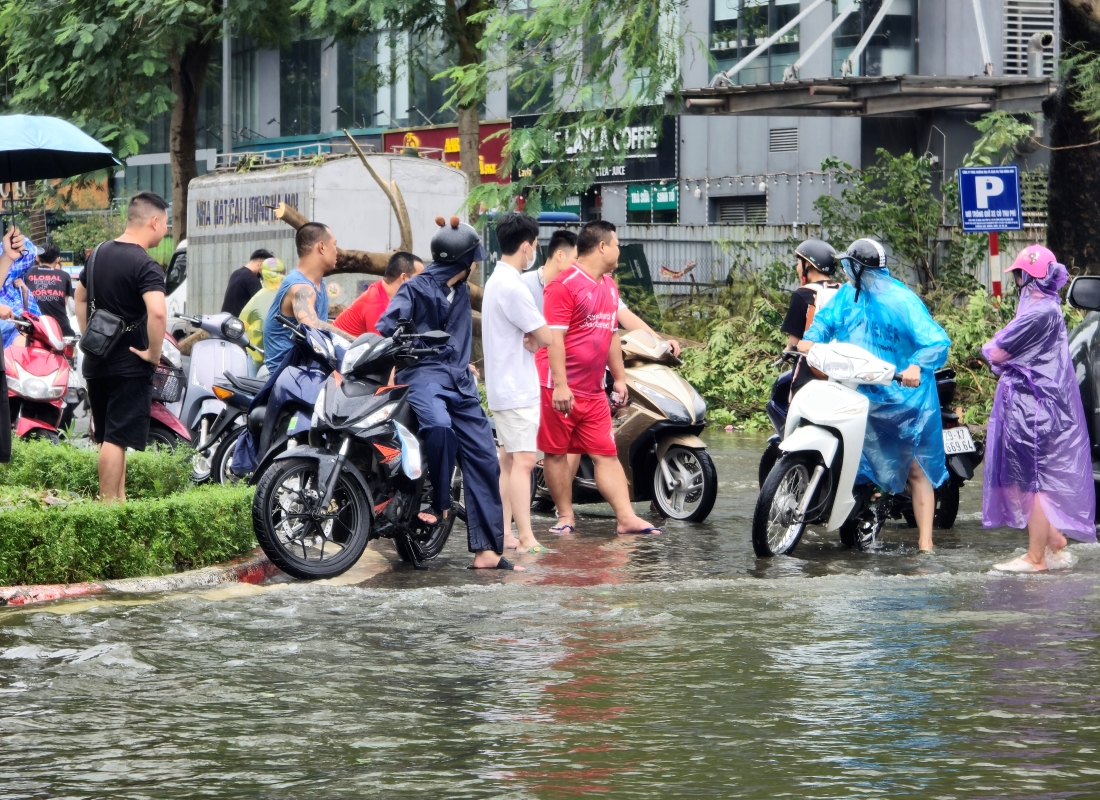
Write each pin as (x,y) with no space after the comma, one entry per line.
(435,337)
(1084,293)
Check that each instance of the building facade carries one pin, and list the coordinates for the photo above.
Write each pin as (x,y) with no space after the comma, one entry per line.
(725,170)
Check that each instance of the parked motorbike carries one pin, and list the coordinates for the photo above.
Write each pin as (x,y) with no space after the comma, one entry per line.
(962,452)
(38,378)
(362,476)
(165,427)
(223,352)
(813,481)
(237,393)
(657,438)
(280,414)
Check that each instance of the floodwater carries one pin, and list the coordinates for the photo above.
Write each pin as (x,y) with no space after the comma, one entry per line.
(671,666)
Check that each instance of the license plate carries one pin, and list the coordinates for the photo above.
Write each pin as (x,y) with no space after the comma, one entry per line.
(957,440)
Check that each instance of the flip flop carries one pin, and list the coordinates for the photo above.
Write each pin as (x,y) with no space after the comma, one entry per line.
(502,564)
(562,528)
(539,548)
(643,532)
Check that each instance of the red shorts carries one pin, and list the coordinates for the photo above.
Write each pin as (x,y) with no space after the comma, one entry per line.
(587,428)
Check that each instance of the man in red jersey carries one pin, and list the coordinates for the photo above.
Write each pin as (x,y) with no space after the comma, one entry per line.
(581,308)
(362,315)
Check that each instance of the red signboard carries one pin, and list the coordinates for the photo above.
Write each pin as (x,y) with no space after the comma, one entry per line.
(441,142)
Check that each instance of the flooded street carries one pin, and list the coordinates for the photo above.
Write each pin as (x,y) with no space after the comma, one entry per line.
(677,665)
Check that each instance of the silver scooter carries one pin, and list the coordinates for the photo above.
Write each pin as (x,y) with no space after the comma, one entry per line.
(223,352)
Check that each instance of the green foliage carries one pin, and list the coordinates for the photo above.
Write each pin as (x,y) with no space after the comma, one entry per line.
(39,465)
(93,541)
(84,232)
(1080,69)
(624,56)
(1000,133)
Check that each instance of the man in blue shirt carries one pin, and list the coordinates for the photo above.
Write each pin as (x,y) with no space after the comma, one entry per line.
(302,295)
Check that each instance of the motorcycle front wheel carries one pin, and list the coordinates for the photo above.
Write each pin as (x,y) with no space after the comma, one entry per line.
(302,539)
(775,531)
(691,495)
(221,463)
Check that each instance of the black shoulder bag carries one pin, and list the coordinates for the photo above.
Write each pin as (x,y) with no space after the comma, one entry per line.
(104,329)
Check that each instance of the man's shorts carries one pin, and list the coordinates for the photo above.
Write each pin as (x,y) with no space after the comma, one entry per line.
(120,410)
(586,429)
(518,429)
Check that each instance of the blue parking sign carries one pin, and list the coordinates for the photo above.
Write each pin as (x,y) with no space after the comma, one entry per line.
(989,199)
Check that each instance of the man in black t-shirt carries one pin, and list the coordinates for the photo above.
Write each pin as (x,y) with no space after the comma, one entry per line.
(244,283)
(126,281)
(816,267)
(51,286)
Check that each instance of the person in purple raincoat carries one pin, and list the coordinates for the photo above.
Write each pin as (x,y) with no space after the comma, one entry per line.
(1038,469)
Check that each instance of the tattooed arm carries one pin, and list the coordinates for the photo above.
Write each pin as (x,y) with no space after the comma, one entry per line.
(302,301)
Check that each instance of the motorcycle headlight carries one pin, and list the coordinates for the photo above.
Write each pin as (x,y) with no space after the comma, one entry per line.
(232,329)
(36,389)
(377,417)
(352,355)
(673,409)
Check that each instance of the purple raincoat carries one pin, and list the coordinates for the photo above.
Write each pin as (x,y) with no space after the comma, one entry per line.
(1038,444)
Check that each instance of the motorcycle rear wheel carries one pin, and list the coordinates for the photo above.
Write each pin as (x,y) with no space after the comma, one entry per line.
(303,541)
(774,530)
(429,540)
(693,501)
(222,460)
(947,507)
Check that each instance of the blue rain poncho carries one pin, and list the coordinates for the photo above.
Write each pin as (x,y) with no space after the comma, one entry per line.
(892,323)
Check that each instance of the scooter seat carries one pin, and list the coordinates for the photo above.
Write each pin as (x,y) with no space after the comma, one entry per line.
(247,385)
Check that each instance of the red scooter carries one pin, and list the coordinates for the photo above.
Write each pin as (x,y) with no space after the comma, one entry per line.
(169,381)
(38,377)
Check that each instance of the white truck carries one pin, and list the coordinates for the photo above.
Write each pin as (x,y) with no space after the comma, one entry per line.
(230,214)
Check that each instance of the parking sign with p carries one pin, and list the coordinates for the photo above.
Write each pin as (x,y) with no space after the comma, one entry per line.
(989,199)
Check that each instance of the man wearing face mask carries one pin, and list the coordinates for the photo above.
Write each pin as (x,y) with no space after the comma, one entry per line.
(442,391)
(512,329)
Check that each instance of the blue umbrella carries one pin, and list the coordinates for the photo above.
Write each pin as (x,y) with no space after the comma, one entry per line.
(40,148)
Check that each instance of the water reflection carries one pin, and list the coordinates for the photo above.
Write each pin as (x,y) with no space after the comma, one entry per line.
(677,665)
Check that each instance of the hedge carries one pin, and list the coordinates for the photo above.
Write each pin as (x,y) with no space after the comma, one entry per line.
(65,468)
(87,541)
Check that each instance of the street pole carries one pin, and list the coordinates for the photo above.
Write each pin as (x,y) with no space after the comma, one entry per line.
(227,91)
(995,262)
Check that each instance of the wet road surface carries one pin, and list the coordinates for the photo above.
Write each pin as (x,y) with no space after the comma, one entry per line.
(677,665)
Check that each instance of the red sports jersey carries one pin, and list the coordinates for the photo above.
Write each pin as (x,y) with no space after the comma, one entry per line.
(587,310)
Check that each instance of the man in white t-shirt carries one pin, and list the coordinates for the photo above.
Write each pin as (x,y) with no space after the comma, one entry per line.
(512,329)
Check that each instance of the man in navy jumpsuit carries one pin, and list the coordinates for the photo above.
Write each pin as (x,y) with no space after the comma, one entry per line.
(443,392)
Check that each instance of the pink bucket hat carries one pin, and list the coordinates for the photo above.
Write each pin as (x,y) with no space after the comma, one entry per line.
(1035,260)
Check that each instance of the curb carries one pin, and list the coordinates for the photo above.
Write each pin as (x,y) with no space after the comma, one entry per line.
(254,569)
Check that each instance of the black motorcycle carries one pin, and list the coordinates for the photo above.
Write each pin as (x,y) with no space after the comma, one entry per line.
(963,453)
(362,475)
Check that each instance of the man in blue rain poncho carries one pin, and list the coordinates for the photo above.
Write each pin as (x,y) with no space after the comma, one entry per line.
(904,441)
(443,393)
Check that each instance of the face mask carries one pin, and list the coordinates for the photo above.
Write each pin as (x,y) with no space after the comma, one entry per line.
(531,261)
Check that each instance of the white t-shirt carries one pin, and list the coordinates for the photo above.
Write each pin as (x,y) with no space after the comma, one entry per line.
(508,311)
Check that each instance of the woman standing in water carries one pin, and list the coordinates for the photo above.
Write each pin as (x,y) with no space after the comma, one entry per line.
(1038,469)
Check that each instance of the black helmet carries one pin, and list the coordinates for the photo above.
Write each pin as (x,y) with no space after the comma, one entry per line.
(820,255)
(456,243)
(862,254)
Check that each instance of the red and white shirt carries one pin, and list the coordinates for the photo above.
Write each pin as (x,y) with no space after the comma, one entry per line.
(588,311)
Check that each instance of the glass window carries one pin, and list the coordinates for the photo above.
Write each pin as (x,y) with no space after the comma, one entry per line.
(300,88)
(427,95)
(357,79)
(739,26)
(890,50)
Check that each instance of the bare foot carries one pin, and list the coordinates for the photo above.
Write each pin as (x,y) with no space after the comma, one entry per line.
(527,541)
(510,541)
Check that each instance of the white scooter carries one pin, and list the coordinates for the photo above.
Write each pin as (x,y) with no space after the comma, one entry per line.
(813,482)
